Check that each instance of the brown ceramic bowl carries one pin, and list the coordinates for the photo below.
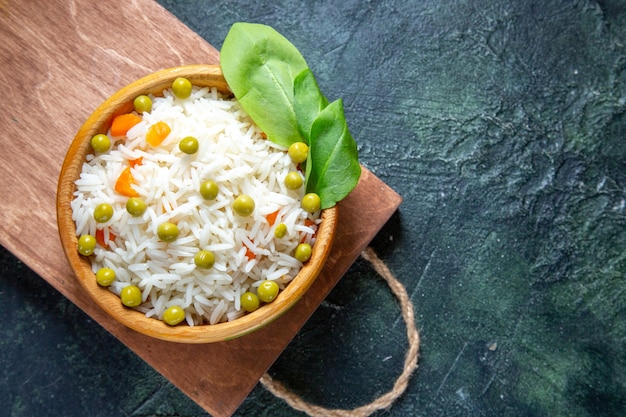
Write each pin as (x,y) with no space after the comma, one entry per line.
(99,122)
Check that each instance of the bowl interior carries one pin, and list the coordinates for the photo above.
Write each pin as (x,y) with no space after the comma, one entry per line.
(99,122)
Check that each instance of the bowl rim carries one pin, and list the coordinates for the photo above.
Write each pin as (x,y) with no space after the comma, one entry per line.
(121,102)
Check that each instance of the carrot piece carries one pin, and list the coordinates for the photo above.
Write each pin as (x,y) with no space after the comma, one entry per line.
(249,254)
(308,223)
(100,238)
(271,218)
(134,162)
(157,133)
(122,124)
(124,183)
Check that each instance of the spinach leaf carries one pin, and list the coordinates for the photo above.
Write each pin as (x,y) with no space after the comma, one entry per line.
(272,82)
(308,101)
(260,66)
(333,168)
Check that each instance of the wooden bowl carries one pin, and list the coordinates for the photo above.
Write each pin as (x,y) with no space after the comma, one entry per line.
(99,122)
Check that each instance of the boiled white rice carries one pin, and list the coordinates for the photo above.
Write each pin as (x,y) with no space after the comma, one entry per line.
(234,154)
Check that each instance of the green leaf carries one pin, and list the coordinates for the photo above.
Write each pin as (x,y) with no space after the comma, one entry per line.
(333,168)
(274,85)
(308,101)
(260,66)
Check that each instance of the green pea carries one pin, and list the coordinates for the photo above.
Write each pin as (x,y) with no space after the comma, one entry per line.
(249,301)
(204,259)
(298,152)
(86,245)
(267,291)
(173,315)
(181,87)
(100,143)
(303,252)
(131,296)
(105,276)
(311,202)
(293,180)
(280,231)
(243,205)
(135,206)
(209,190)
(103,213)
(167,232)
(189,145)
(143,104)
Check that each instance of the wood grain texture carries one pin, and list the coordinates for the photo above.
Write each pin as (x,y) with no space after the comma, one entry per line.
(57,66)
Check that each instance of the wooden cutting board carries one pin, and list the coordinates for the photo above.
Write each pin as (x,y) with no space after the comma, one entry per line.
(58,64)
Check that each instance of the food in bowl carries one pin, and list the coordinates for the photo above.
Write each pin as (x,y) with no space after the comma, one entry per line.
(196,215)
(289,116)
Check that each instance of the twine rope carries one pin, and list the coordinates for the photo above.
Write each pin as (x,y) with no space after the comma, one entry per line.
(410,361)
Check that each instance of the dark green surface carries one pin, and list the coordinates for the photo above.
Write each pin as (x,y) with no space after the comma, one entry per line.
(503,126)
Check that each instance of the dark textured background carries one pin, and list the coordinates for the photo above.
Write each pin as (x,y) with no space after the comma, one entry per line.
(502,123)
